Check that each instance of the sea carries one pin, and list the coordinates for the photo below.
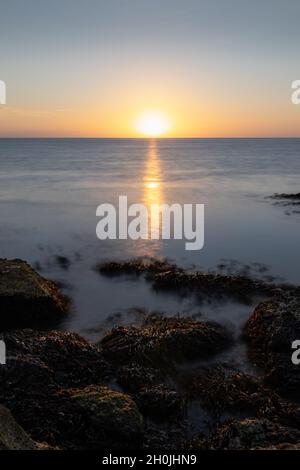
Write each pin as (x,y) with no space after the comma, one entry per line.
(50,190)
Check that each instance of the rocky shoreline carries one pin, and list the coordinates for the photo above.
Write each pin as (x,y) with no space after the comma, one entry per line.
(134,387)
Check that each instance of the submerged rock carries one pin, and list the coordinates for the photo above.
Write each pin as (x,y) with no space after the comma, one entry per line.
(167,276)
(136,266)
(289,196)
(26,298)
(249,434)
(270,331)
(161,341)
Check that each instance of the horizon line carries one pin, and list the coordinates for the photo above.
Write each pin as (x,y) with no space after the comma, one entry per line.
(147,138)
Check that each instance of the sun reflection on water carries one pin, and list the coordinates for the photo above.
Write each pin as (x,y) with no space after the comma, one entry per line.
(153,191)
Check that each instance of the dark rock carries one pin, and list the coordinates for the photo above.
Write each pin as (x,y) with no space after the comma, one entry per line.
(270,331)
(12,436)
(164,341)
(26,298)
(166,438)
(167,276)
(136,266)
(111,418)
(39,365)
(248,434)
(295,196)
(160,402)
(152,390)
(134,377)
(240,394)
(66,357)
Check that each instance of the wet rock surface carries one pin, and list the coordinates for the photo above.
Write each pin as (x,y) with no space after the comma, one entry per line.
(38,366)
(249,434)
(223,393)
(291,196)
(270,332)
(112,418)
(169,277)
(26,298)
(289,201)
(164,340)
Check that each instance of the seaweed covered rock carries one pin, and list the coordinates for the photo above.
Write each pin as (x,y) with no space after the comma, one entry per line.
(249,434)
(224,393)
(162,340)
(136,266)
(65,357)
(270,332)
(160,402)
(111,418)
(26,298)
(38,366)
(168,276)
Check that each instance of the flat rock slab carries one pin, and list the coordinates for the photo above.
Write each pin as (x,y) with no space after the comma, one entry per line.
(26,298)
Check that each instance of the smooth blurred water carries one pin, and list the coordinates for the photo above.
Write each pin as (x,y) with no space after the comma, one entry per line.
(50,189)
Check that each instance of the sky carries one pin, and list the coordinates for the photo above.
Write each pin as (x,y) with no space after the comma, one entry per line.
(215,68)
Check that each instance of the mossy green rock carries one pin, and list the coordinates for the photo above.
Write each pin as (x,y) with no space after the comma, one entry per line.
(26,298)
(111,418)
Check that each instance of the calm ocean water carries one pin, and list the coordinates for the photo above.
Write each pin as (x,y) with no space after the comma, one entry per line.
(50,189)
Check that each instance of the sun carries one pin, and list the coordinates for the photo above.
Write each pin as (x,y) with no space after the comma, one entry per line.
(152,123)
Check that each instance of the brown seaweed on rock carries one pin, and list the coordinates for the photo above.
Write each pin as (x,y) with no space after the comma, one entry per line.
(270,331)
(250,433)
(39,365)
(162,340)
(165,276)
(222,393)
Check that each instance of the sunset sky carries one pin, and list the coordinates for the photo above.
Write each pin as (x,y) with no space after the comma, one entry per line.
(92,68)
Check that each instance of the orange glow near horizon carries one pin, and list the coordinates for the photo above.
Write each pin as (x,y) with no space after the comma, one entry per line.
(153,124)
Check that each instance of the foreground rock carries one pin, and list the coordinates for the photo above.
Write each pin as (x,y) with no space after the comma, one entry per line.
(12,436)
(226,393)
(26,298)
(53,356)
(270,331)
(40,367)
(111,418)
(250,434)
(164,341)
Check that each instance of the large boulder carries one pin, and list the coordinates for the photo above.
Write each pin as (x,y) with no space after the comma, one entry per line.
(161,341)
(26,298)
(270,332)
(39,366)
(111,418)
(66,357)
